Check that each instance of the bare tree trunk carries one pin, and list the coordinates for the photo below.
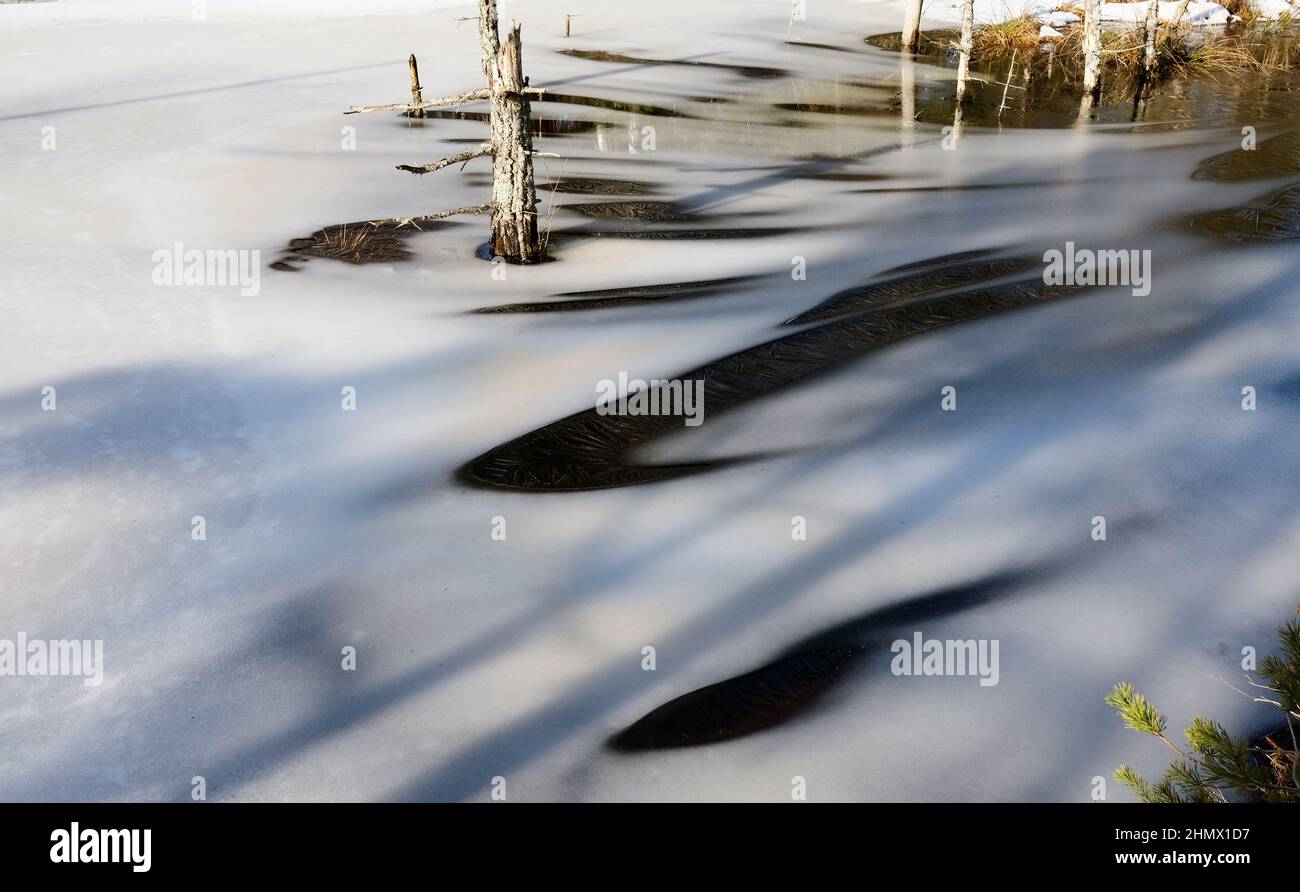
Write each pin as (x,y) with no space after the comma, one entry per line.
(489,41)
(514,194)
(1147,76)
(1149,53)
(911,25)
(967,36)
(416,96)
(1092,48)
(1178,14)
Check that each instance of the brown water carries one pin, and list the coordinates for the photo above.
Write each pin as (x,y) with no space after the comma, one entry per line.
(1044,92)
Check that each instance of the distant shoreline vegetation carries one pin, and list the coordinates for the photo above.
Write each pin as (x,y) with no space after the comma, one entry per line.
(1255,44)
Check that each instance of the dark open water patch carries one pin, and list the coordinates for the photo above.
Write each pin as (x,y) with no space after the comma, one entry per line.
(975,187)
(1275,157)
(941,260)
(653,211)
(822,46)
(1045,91)
(540,125)
(636,108)
(607,298)
(843,177)
(361,242)
(856,111)
(588,450)
(785,687)
(676,234)
(612,187)
(645,211)
(754,72)
(880,295)
(739,706)
(597,186)
(1272,218)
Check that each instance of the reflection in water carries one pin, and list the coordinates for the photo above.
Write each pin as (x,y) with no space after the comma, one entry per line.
(907,86)
(1050,97)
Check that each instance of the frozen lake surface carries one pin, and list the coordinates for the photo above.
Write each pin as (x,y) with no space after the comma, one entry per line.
(481,657)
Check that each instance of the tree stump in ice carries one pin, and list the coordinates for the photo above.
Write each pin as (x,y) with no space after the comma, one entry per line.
(514,193)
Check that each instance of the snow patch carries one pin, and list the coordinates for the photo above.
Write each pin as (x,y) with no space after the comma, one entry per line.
(1201,12)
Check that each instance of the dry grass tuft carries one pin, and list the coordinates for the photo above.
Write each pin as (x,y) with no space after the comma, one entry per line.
(354,243)
(1257,46)
(1017,33)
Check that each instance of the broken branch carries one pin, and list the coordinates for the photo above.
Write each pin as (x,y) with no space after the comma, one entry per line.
(486,149)
(416,221)
(472,96)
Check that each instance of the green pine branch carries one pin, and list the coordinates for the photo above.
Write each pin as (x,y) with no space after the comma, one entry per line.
(1218,765)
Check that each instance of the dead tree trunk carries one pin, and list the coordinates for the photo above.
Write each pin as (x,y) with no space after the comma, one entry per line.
(514,195)
(416,96)
(911,25)
(1092,48)
(1147,76)
(1149,51)
(967,38)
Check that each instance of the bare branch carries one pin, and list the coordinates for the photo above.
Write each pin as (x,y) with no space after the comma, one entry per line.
(423,218)
(1263,687)
(474,209)
(471,96)
(486,149)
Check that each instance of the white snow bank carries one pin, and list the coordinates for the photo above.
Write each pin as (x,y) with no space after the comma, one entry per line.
(1056,18)
(988,12)
(1201,12)
(60,11)
(1274,9)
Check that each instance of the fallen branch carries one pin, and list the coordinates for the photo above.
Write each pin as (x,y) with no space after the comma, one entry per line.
(485,149)
(472,96)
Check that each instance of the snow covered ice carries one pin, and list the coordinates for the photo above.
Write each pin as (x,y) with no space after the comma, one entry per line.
(521,655)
